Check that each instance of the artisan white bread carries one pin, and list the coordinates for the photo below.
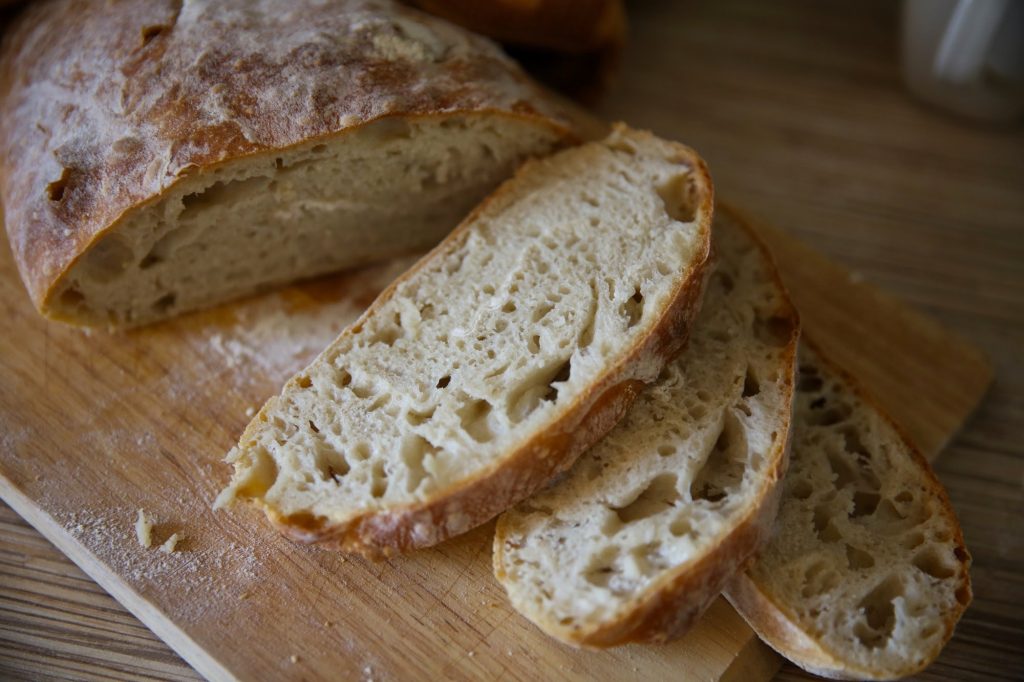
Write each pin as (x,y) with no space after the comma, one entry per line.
(866,574)
(642,533)
(161,156)
(493,363)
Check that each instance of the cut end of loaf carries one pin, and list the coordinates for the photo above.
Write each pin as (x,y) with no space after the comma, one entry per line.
(392,186)
(490,366)
(641,535)
(867,573)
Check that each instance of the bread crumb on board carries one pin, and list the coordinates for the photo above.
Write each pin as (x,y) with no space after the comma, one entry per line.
(144,529)
(171,543)
(144,533)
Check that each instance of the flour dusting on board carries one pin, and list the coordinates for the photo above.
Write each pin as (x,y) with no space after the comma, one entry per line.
(198,572)
(279,334)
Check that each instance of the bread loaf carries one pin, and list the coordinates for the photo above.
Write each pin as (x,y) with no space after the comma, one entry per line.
(639,538)
(494,362)
(867,573)
(163,156)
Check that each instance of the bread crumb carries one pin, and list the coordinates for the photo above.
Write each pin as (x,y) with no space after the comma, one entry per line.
(472,654)
(144,529)
(250,411)
(170,544)
(293,658)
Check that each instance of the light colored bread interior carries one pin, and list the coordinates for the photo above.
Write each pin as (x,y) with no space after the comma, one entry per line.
(867,572)
(641,535)
(455,395)
(392,186)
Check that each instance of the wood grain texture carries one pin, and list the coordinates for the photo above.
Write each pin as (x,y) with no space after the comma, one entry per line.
(798,108)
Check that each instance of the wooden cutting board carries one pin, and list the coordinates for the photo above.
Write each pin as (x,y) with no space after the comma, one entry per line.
(94,426)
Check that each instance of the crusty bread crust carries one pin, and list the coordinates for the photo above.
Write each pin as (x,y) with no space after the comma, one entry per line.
(673,604)
(535,462)
(777,625)
(137,95)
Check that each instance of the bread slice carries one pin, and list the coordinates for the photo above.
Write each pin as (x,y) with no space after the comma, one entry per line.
(199,152)
(867,573)
(496,360)
(641,535)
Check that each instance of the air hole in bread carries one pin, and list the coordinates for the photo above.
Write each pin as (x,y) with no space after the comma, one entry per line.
(164,303)
(648,558)
(560,377)
(149,261)
(751,386)
(331,464)
(828,416)
(151,32)
(56,189)
(858,559)
(679,194)
(844,474)
(109,259)
(541,311)
(362,392)
(660,495)
(666,450)
(904,497)
(488,289)
(680,527)
(853,442)
(474,419)
(930,560)
(444,381)
(775,331)
(313,427)
(914,539)
(819,577)
(378,479)
(534,344)
(416,417)
(824,525)
(220,193)
(396,128)
(509,307)
(71,297)
(633,308)
(601,567)
(879,613)
(864,503)
(415,449)
(723,468)
(387,336)
(886,512)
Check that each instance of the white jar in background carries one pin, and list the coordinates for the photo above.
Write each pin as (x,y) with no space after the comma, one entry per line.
(966,56)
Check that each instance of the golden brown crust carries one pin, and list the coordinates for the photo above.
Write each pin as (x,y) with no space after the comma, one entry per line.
(673,604)
(778,625)
(515,477)
(136,95)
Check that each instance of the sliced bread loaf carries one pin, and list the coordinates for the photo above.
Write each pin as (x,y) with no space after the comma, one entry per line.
(643,532)
(493,363)
(867,573)
(161,157)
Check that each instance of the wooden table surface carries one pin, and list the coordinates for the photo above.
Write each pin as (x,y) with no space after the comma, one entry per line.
(799,109)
